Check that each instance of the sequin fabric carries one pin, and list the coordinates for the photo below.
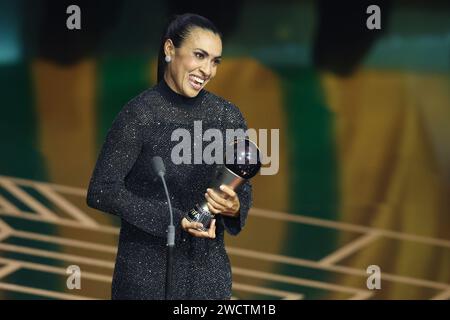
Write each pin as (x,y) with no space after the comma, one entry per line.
(123,184)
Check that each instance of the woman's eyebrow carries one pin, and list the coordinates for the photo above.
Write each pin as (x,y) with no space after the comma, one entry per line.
(207,54)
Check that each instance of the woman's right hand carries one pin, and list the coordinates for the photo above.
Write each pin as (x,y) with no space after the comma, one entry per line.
(193,229)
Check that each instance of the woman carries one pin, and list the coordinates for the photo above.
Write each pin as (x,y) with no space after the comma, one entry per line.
(124,184)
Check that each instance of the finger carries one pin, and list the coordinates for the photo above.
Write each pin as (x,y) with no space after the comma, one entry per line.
(212,229)
(228,190)
(199,234)
(213,209)
(195,225)
(183,223)
(186,224)
(219,199)
(214,203)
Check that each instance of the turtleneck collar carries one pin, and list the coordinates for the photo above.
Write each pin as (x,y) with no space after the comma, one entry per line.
(176,98)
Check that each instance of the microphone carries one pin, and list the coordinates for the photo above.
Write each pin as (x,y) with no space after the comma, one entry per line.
(158,166)
(160,170)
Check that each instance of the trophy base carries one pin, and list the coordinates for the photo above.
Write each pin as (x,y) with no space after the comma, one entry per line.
(197,214)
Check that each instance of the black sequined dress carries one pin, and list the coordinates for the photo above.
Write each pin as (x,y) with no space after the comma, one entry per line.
(124,184)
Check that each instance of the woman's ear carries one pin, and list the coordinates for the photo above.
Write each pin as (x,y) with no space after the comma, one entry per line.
(169,48)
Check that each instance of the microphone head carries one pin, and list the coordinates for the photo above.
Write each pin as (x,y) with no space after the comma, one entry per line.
(158,165)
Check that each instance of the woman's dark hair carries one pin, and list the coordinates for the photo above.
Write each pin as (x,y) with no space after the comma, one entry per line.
(178,30)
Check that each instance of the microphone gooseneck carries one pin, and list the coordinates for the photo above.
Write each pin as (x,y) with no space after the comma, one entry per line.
(160,170)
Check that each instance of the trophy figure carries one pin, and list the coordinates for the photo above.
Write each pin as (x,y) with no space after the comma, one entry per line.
(241,164)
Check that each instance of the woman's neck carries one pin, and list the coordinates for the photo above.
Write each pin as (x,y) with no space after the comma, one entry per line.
(175,97)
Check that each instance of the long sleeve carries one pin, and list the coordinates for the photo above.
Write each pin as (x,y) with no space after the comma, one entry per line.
(234,225)
(107,191)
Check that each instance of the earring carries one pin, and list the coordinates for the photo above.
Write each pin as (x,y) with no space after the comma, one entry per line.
(168,59)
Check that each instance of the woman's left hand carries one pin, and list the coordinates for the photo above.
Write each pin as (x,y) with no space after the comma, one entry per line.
(226,202)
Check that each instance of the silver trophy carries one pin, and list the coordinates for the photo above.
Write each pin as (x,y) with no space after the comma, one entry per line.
(242,162)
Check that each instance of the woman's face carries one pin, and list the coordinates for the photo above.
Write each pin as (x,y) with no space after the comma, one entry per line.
(194,63)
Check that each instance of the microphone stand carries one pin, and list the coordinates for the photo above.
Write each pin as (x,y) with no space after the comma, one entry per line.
(170,244)
(160,170)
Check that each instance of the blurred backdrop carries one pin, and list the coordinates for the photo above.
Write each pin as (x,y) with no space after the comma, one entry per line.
(364,123)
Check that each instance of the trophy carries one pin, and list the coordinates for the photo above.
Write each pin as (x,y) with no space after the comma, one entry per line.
(242,162)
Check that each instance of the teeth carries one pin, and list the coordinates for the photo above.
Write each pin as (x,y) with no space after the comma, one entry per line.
(199,80)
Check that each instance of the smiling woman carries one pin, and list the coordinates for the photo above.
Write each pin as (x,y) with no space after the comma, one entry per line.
(194,63)
(124,184)
(192,49)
